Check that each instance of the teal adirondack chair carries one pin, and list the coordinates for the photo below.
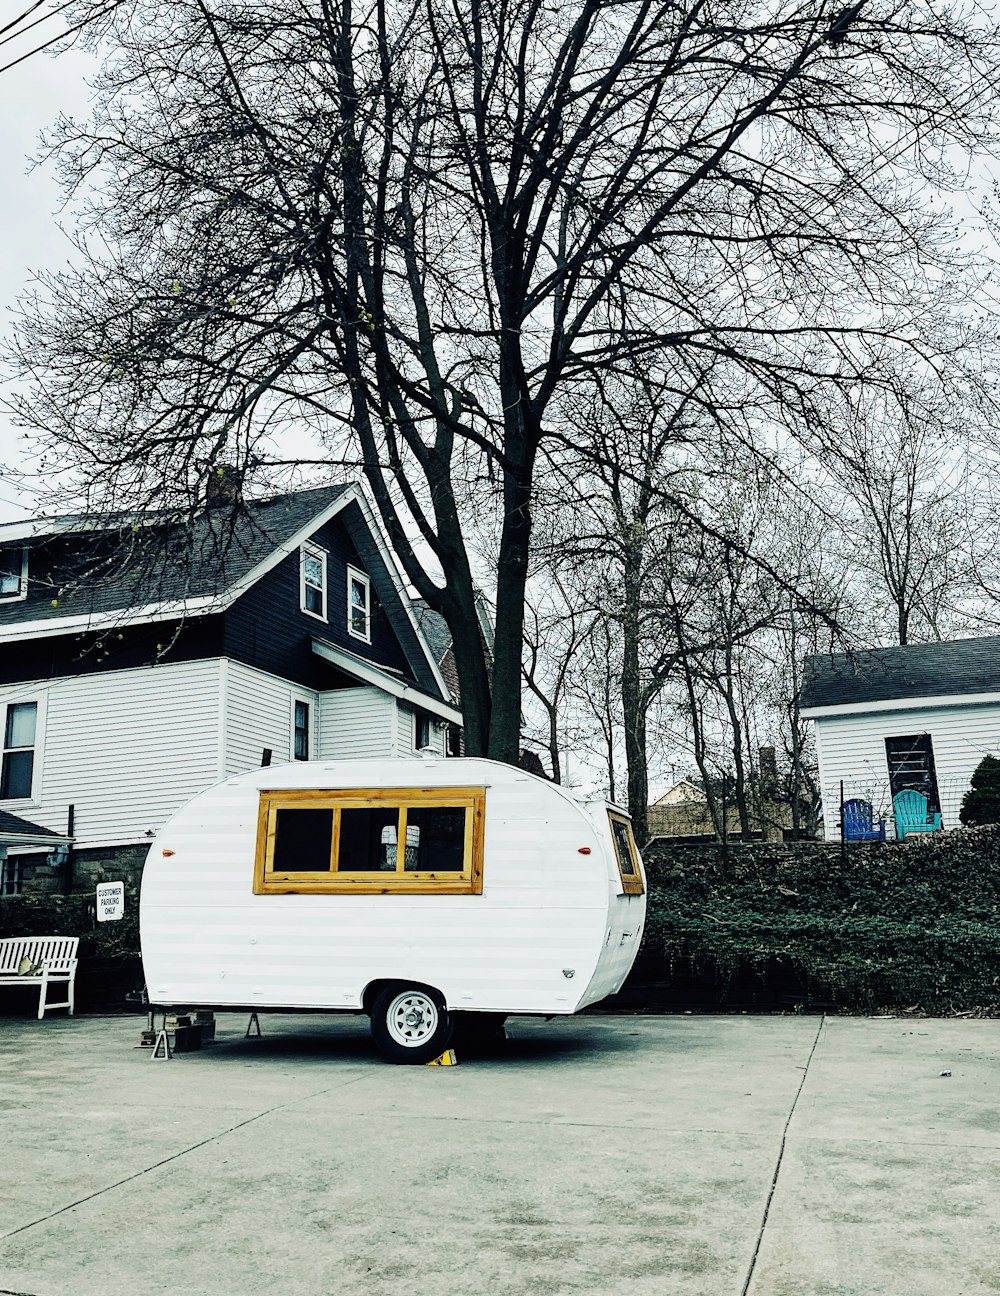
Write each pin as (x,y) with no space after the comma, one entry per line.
(910,810)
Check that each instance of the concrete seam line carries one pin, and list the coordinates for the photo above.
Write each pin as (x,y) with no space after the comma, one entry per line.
(212,1138)
(781,1153)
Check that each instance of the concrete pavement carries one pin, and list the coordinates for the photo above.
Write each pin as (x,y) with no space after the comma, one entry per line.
(709,1156)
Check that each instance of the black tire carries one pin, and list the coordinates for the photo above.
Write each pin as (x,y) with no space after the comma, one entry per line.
(411,1024)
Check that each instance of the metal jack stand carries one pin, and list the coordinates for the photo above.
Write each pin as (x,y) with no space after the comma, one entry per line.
(254,1021)
(162,1038)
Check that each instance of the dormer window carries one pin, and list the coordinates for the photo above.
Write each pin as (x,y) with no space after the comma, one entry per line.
(359,604)
(312,581)
(13,573)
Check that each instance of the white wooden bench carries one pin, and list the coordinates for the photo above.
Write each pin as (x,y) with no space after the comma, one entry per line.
(51,959)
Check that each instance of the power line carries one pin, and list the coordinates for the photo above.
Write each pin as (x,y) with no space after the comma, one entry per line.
(62,35)
(38,21)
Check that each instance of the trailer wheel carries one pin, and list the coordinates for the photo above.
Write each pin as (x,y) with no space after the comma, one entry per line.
(411,1024)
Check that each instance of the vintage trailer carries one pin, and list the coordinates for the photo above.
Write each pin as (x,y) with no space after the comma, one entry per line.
(434,895)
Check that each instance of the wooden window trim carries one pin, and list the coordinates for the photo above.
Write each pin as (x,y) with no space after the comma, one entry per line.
(402,882)
(631,882)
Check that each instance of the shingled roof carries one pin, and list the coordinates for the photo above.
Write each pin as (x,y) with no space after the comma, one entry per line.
(142,558)
(964,666)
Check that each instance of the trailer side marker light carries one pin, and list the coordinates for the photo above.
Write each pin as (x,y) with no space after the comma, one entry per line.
(166,852)
(447,1058)
(584,850)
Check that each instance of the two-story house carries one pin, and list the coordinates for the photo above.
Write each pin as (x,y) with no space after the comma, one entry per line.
(143,660)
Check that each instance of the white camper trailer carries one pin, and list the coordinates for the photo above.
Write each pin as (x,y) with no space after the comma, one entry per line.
(431,894)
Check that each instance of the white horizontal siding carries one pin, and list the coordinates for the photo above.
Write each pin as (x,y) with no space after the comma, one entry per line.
(549,932)
(259,715)
(125,748)
(852,749)
(357,722)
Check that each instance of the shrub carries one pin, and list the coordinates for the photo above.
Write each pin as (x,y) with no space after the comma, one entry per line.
(910,924)
(981,804)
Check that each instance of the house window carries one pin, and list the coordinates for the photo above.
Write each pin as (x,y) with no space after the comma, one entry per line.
(11,877)
(13,573)
(300,731)
(18,751)
(359,604)
(371,841)
(422,731)
(312,583)
(626,854)
(911,765)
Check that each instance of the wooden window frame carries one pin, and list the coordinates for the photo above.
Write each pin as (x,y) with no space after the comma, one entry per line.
(309,550)
(355,574)
(631,882)
(401,882)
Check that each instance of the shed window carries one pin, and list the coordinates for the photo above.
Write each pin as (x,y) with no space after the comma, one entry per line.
(312,581)
(626,854)
(359,604)
(371,840)
(13,573)
(18,766)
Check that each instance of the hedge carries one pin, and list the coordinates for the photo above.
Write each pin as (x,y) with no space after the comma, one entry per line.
(913,924)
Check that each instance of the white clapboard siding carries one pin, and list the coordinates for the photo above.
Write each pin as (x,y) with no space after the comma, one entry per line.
(124,748)
(550,932)
(259,715)
(357,722)
(852,749)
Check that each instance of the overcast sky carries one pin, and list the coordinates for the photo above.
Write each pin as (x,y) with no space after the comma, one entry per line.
(31,95)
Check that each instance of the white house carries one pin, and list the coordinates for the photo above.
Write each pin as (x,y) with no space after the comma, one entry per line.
(144,659)
(921,716)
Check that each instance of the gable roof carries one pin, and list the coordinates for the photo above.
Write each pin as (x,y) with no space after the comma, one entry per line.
(199,566)
(955,670)
(120,557)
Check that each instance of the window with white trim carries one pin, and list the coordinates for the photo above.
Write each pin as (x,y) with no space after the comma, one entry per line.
(312,581)
(11,877)
(13,573)
(18,766)
(300,730)
(359,604)
(423,730)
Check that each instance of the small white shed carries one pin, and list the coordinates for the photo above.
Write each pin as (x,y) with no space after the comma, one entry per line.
(920,716)
(419,891)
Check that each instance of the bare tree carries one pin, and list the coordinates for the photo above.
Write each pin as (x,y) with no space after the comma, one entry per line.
(407,228)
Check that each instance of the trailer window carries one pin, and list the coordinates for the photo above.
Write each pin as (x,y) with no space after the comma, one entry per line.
(303,840)
(375,840)
(626,854)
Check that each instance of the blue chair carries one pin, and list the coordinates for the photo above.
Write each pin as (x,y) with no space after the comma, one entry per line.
(911,813)
(859,822)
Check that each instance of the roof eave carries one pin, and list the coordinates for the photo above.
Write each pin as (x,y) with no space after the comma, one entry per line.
(899,704)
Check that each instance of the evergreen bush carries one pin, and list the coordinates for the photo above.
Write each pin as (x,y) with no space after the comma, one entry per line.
(981,804)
